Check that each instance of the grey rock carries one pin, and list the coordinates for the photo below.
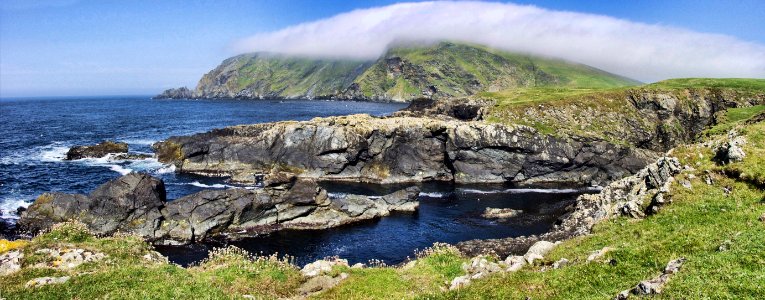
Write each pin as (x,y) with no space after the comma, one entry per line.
(10,262)
(96,151)
(136,204)
(731,151)
(41,281)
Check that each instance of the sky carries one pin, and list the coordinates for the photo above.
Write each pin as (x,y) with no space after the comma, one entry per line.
(72,48)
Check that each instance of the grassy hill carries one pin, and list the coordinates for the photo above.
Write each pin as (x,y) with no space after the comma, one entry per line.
(442,70)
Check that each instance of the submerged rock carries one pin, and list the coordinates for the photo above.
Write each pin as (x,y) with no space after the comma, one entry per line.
(136,204)
(96,151)
(500,213)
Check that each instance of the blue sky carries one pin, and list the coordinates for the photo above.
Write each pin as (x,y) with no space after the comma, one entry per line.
(64,47)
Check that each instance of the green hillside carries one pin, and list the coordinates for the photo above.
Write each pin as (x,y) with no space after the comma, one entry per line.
(442,70)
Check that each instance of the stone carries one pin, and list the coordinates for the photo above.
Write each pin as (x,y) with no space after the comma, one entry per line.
(459,282)
(655,285)
(731,151)
(538,251)
(560,263)
(322,266)
(762,217)
(67,258)
(96,151)
(480,267)
(38,282)
(358,266)
(598,254)
(10,262)
(514,263)
(500,213)
(321,283)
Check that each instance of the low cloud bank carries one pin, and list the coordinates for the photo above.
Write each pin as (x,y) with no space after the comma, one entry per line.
(637,50)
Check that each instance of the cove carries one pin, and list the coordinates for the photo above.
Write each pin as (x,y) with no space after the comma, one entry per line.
(447,213)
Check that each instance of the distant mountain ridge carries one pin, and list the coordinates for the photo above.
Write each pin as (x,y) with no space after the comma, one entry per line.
(442,70)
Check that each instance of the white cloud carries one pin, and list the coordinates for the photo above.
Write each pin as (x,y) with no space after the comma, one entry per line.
(641,51)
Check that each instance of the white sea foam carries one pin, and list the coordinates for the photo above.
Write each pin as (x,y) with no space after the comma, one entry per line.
(336,195)
(52,153)
(210,186)
(9,206)
(120,169)
(432,194)
(139,141)
(165,170)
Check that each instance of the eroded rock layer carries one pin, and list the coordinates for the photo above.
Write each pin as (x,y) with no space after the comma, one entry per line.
(136,204)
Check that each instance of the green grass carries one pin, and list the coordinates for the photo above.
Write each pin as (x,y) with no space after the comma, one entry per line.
(124,274)
(727,83)
(733,116)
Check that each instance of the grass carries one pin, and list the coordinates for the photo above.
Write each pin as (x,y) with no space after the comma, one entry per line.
(733,116)
(125,274)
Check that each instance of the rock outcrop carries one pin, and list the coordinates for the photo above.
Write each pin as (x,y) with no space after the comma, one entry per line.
(178,93)
(136,204)
(401,149)
(96,151)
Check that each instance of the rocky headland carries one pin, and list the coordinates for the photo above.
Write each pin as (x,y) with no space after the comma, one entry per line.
(456,140)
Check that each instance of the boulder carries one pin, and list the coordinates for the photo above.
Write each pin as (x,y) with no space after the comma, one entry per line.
(96,151)
(10,262)
(731,151)
(130,203)
(322,266)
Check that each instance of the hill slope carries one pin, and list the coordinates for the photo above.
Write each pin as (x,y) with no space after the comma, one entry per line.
(404,73)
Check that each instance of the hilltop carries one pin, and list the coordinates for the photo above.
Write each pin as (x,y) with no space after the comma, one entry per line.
(442,70)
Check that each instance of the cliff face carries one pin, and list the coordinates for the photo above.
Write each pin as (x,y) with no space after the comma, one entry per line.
(447,141)
(402,74)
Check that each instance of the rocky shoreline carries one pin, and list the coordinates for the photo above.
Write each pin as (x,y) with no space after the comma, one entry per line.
(136,204)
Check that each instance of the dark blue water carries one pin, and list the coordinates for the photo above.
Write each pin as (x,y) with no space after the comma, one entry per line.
(36,133)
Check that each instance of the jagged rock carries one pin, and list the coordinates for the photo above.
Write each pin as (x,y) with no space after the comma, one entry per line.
(731,151)
(177,93)
(96,151)
(10,262)
(130,203)
(322,266)
(655,285)
(500,213)
(136,204)
(38,282)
